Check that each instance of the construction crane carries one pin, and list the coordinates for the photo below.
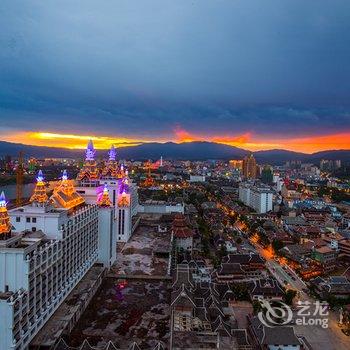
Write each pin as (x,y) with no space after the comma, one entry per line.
(19,179)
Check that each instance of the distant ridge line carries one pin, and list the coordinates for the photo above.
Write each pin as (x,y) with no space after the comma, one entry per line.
(197,150)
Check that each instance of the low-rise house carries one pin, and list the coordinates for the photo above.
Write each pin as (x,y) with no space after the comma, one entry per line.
(336,286)
(265,288)
(297,252)
(183,235)
(239,267)
(326,256)
(201,314)
(274,338)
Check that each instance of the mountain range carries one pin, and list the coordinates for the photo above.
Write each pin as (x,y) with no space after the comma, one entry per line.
(198,150)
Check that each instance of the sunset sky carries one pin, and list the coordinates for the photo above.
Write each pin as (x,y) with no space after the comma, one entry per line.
(252,74)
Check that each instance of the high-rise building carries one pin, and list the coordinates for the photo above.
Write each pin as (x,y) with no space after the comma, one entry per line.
(257,198)
(267,174)
(46,248)
(250,168)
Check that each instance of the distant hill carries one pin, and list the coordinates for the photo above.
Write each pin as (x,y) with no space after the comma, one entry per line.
(186,150)
(170,150)
(278,156)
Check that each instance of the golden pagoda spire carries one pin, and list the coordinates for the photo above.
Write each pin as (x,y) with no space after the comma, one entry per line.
(104,200)
(5,225)
(39,195)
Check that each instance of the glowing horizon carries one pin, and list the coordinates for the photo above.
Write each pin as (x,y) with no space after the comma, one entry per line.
(248,141)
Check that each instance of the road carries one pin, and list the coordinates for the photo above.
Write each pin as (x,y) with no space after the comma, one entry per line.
(319,338)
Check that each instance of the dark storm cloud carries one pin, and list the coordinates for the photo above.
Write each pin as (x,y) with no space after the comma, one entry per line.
(145,67)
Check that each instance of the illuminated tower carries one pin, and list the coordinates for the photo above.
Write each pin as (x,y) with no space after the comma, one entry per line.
(5,225)
(89,172)
(149,182)
(39,196)
(111,169)
(104,200)
(250,168)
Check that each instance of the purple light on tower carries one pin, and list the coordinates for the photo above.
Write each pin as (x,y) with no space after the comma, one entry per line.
(90,151)
(2,200)
(40,176)
(112,153)
(64,175)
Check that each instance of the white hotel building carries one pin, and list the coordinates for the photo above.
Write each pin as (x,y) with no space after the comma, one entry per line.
(46,248)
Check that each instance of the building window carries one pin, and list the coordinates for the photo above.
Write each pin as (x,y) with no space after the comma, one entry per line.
(18,219)
(34,220)
(27,219)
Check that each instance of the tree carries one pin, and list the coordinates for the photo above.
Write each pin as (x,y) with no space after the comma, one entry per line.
(277,245)
(289,296)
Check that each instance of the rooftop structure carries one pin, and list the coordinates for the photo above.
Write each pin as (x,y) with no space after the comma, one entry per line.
(65,195)
(89,172)
(122,192)
(39,196)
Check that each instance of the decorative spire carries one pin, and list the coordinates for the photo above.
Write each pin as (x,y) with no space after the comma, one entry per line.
(39,195)
(111,168)
(90,151)
(112,153)
(5,225)
(104,200)
(2,200)
(64,175)
(89,171)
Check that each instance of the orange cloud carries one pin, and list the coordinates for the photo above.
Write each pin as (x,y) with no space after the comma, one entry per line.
(307,144)
(249,141)
(310,144)
(184,136)
(71,141)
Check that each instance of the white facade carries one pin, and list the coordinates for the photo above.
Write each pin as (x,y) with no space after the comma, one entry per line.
(197,178)
(185,243)
(244,193)
(37,271)
(107,239)
(259,199)
(123,228)
(161,207)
